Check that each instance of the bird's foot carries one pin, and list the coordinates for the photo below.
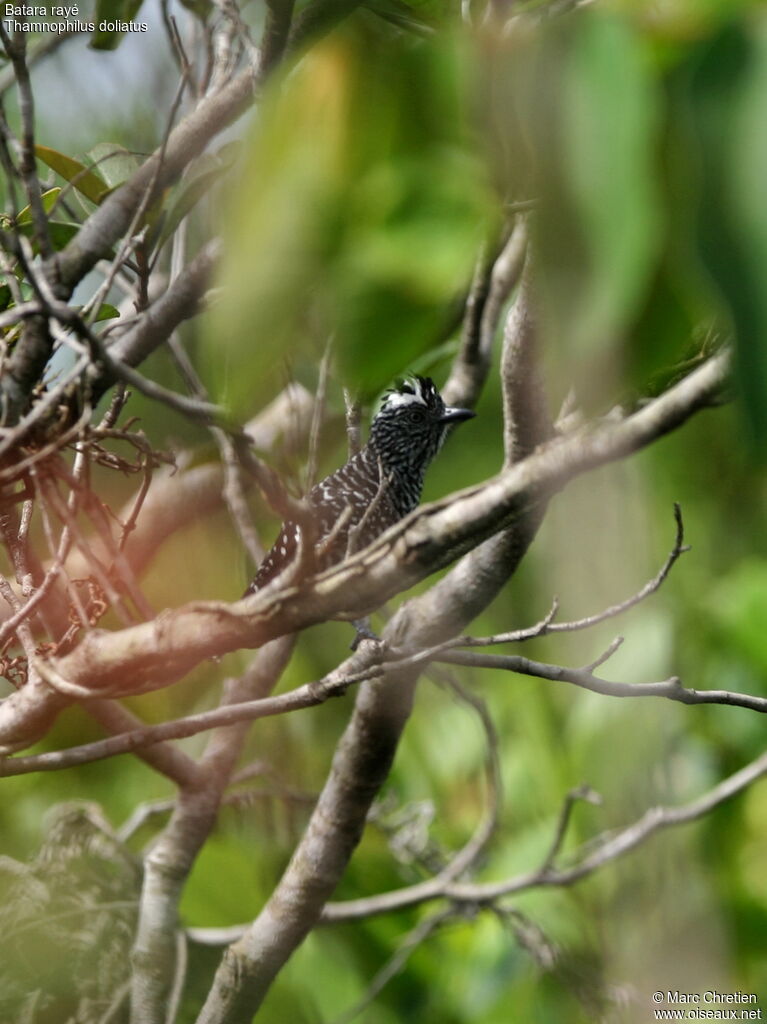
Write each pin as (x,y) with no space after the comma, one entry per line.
(364,631)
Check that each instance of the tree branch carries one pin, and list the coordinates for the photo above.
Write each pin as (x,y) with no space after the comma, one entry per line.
(607,847)
(360,766)
(155,653)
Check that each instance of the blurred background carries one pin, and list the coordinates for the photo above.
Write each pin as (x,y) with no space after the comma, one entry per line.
(356,199)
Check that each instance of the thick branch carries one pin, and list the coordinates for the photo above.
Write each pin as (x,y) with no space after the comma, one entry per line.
(167,866)
(360,767)
(155,653)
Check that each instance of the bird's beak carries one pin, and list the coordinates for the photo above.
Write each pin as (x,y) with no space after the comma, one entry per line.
(451,415)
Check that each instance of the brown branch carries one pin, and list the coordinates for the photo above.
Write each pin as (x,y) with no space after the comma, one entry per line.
(360,767)
(547,624)
(494,280)
(151,654)
(671,689)
(366,665)
(607,847)
(164,758)
(172,855)
(16,49)
(276,32)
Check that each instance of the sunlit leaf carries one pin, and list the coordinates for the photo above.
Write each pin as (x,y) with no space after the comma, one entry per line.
(48,200)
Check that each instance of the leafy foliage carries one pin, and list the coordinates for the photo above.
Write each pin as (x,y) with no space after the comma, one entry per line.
(355,210)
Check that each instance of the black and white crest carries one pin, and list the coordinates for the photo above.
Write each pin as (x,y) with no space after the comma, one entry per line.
(377,486)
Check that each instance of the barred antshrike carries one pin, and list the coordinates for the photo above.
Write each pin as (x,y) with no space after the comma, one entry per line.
(377,486)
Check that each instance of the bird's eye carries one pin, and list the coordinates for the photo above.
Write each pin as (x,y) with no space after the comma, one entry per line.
(416,415)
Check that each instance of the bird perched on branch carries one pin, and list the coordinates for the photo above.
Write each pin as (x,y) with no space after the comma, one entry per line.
(375,488)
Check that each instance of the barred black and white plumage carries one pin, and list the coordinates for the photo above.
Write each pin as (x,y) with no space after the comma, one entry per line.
(377,486)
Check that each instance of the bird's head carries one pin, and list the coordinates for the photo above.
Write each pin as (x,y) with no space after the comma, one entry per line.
(411,424)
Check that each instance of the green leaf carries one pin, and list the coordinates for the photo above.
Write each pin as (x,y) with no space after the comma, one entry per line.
(87,182)
(730,158)
(114,163)
(609,123)
(192,192)
(61,232)
(359,216)
(589,107)
(112,11)
(106,311)
(749,174)
(48,199)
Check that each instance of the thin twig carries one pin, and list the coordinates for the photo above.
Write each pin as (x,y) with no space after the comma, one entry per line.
(416,937)
(353,419)
(317,418)
(16,49)
(547,624)
(583,792)
(605,848)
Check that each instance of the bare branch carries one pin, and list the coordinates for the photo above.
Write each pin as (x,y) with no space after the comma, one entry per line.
(359,768)
(604,849)
(583,792)
(671,689)
(164,758)
(428,539)
(494,280)
(548,625)
(167,866)
(16,49)
(308,695)
(416,937)
(317,418)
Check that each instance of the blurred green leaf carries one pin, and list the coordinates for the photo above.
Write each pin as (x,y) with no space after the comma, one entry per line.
(749,170)
(112,11)
(87,182)
(727,106)
(737,608)
(114,163)
(359,216)
(61,232)
(608,129)
(590,112)
(208,171)
(48,200)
